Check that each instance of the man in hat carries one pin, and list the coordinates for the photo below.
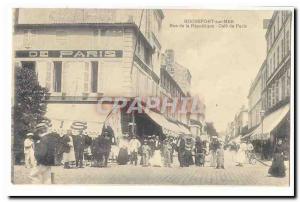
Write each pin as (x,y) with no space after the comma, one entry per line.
(79,142)
(44,151)
(134,145)
(29,151)
(181,150)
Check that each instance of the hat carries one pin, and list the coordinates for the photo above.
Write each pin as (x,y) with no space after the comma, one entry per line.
(29,134)
(79,125)
(41,125)
(47,122)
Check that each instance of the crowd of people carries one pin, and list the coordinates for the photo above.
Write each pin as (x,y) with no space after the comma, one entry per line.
(75,149)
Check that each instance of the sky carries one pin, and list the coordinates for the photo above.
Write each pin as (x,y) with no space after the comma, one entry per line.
(223,61)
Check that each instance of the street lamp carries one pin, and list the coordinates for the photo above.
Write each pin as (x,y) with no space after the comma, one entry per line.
(262,114)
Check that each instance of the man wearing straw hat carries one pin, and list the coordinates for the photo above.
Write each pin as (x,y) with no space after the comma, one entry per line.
(79,141)
(44,151)
(29,151)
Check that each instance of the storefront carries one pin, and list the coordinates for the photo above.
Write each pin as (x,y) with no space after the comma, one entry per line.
(274,126)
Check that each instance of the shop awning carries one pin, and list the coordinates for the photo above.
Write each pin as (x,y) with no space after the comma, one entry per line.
(63,115)
(167,126)
(184,129)
(270,122)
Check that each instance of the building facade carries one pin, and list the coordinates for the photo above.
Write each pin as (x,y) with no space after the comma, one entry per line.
(180,73)
(274,83)
(254,102)
(82,55)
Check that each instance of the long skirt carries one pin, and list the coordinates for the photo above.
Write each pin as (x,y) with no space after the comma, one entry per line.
(213,159)
(188,158)
(69,156)
(199,159)
(123,157)
(277,168)
(156,159)
(241,157)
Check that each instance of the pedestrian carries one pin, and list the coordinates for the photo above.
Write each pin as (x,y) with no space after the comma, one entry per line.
(277,168)
(181,150)
(44,151)
(173,144)
(213,146)
(199,152)
(156,159)
(188,157)
(123,156)
(134,145)
(78,128)
(152,145)
(220,156)
(29,151)
(146,150)
(241,154)
(68,147)
(167,149)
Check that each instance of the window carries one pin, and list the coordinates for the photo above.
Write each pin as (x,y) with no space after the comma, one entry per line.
(288,80)
(29,36)
(278,54)
(57,76)
(269,97)
(283,85)
(282,49)
(94,77)
(276,91)
(273,94)
(274,62)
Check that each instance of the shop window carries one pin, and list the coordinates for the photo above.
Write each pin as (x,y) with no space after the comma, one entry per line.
(94,76)
(57,76)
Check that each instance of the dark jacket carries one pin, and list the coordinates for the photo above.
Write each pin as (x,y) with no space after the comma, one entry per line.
(79,142)
(44,150)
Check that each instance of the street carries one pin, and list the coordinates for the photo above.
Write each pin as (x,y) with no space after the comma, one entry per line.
(129,174)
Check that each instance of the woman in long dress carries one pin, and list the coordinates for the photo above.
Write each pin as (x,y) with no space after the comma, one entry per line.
(277,168)
(123,156)
(241,154)
(156,159)
(69,154)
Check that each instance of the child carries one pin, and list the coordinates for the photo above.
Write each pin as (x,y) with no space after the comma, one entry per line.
(146,150)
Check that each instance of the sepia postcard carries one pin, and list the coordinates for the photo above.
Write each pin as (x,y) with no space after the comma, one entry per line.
(160,97)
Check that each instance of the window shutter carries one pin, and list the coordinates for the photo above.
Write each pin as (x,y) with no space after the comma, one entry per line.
(86,77)
(49,76)
(65,67)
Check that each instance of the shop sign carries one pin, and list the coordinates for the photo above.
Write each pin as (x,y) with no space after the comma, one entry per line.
(69,54)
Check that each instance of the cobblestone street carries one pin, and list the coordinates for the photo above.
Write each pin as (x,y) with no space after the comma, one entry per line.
(129,174)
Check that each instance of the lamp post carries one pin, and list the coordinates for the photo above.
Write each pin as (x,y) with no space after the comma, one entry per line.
(262,114)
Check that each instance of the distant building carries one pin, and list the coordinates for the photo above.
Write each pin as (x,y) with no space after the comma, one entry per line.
(180,73)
